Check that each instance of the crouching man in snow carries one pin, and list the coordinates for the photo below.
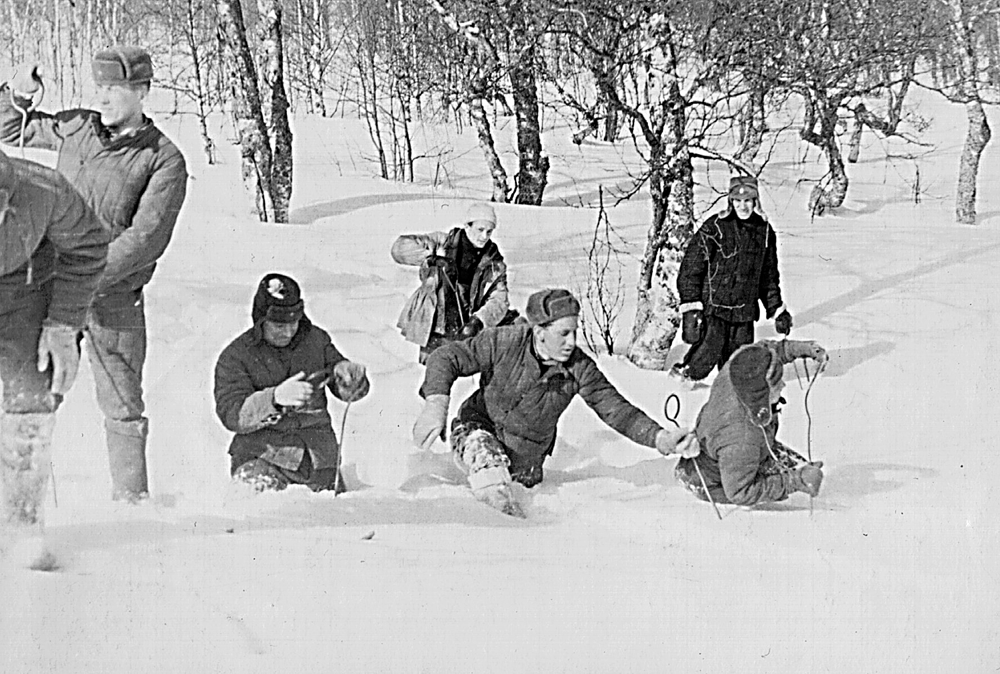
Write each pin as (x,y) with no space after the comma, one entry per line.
(270,391)
(528,374)
(741,460)
(53,250)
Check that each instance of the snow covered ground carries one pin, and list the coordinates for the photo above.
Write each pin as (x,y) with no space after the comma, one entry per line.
(617,568)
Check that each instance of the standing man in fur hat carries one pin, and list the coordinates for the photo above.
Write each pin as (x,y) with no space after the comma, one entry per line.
(270,390)
(52,253)
(463,281)
(741,459)
(730,264)
(135,179)
(528,374)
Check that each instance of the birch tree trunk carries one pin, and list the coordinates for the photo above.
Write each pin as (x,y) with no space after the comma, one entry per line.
(978,133)
(481,121)
(533,166)
(273,80)
(671,187)
(831,192)
(251,132)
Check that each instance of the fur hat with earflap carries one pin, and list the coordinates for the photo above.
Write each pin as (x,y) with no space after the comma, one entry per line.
(753,370)
(279,299)
(744,187)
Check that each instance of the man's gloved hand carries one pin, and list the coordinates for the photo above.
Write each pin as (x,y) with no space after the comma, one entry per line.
(352,381)
(27,79)
(59,345)
(431,422)
(293,392)
(807,478)
(691,326)
(680,441)
(429,267)
(472,328)
(783,322)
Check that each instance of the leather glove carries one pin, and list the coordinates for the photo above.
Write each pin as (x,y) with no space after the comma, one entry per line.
(783,322)
(681,441)
(27,79)
(430,424)
(691,326)
(295,391)
(807,478)
(472,328)
(352,381)
(59,346)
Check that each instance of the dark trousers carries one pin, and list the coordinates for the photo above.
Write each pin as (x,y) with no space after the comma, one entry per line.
(116,348)
(22,310)
(263,475)
(719,340)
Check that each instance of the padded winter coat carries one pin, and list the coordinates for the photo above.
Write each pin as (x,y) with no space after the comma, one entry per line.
(48,233)
(524,403)
(729,264)
(735,457)
(249,370)
(135,184)
(424,312)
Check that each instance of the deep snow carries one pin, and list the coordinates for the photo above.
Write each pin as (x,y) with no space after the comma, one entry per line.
(617,568)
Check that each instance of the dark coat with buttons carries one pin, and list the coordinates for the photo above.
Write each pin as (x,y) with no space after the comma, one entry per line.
(729,265)
(523,400)
(135,184)
(249,370)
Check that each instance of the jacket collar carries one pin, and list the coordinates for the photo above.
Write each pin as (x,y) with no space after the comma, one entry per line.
(104,133)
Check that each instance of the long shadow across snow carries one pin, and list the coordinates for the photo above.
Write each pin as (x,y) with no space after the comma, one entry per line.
(310,214)
(873,287)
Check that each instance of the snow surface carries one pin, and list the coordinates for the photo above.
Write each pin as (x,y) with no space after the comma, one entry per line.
(617,568)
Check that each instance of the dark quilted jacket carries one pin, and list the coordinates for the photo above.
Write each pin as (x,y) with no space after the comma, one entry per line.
(522,402)
(729,265)
(246,375)
(135,184)
(47,233)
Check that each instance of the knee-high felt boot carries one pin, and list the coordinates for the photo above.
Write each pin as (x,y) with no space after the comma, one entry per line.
(25,464)
(127,458)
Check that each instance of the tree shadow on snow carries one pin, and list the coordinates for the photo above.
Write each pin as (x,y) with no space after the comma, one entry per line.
(310,214)
(872,287)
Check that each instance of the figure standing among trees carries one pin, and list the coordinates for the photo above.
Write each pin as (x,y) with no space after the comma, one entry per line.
(463,282)
(52,253)
(135,180)
(729,265)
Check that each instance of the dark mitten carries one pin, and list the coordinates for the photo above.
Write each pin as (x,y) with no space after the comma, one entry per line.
(472,328)
(807,478)
(691,326)
(783,322)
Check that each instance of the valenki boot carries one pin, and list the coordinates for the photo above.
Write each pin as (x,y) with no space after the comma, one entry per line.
(25,465)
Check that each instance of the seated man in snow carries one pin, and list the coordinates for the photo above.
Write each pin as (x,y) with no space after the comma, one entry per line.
(741,460)
(529,373)
(269,391)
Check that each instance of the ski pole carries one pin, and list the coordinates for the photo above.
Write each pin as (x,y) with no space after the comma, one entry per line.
(672,418)
(340,454)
